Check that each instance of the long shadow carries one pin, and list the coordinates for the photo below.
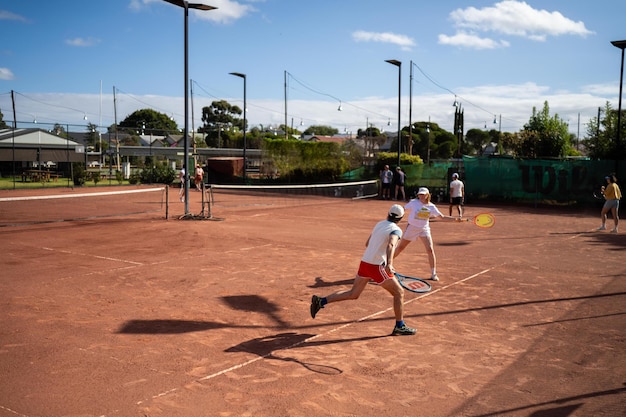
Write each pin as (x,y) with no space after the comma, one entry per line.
(558,411)
(485,308)
(576,319)
(267,346)
(168,326)
(164,326)
(522,303)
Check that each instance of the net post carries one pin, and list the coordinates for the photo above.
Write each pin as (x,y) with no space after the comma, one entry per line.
(167,202)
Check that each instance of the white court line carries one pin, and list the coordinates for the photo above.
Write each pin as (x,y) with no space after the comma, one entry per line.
(12,411)
(333,330)
(57,196)
(106,258)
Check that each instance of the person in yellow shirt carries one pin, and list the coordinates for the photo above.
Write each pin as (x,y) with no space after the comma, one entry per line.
(612,195)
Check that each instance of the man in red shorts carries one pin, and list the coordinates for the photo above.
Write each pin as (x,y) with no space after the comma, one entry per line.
(377,266)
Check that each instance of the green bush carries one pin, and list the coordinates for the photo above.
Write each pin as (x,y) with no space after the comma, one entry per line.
(160,173)
(95,177)
(79,175)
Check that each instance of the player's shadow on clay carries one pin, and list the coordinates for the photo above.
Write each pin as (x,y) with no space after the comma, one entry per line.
(274,347)
(251,303)
(255,304)
(167,326)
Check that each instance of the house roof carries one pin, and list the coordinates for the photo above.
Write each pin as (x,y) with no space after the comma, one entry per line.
(33,137)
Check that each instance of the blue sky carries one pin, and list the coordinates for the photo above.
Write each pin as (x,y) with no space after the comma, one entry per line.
(64,59)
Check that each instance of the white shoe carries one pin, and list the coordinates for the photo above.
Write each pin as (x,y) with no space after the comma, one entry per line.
(434,277)
(601,228)
(614,230)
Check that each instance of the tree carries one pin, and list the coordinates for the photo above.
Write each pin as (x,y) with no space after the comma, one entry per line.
(544,136)
(475,141)
(601,134)
(59,130)
(3,124)
(148,122)
(371,137)
(321,131)
(219,118)
(92,138)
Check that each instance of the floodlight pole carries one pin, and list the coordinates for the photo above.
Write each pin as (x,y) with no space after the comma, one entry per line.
(621,45)
(399,65)
(238,74)
(186,6)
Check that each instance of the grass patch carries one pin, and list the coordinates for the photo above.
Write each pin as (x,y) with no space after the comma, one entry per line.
(7,183)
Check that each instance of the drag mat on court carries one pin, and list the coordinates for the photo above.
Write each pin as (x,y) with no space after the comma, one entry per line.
(141,316)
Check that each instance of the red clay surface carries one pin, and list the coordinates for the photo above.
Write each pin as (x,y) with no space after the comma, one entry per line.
(141,316)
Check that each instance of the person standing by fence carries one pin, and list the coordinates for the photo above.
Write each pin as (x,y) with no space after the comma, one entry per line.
(386,178)
(399,179)
(457,194)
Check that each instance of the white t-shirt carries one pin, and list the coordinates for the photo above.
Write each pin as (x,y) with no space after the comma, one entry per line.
(420,214)
(456,188)
(387,176)
(376,251)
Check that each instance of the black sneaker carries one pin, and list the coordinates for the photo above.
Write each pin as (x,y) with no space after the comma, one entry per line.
(400,331)
(316,304)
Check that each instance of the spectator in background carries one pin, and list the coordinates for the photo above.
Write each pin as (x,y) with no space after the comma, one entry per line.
(386,178)
(457,194)
(612,195)
(399,179)
(198,175)
(181,177)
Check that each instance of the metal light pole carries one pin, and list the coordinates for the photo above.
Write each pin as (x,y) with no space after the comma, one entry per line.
(399,65)
(198,6)
(240,75)
(410,142)
(621,45)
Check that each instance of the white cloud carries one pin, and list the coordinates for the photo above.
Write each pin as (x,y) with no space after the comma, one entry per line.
(517,18)
(82,42)
(6,74)
(600,89)
(403,41)
(509,18)
(6,15)
(227,11)
(471,40)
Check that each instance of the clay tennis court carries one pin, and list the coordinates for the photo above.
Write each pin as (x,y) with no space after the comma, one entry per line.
(142,316)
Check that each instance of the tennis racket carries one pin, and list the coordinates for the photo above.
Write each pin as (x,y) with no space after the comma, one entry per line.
(598,193)
(413,284)
(483,220)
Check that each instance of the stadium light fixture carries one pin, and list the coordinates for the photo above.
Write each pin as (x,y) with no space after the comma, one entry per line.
(240,75)
(399,65)
(186,6)
(621,45)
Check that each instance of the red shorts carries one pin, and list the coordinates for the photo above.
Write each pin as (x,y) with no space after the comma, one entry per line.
(376,273)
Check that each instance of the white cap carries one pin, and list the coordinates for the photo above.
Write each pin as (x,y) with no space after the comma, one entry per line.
(455,175)
(423,190)
(396,211)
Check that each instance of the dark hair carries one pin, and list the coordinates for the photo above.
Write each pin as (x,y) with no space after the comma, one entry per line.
(611,177)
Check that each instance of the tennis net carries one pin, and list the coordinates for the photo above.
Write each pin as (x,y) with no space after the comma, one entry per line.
(226,195)
(51,208)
